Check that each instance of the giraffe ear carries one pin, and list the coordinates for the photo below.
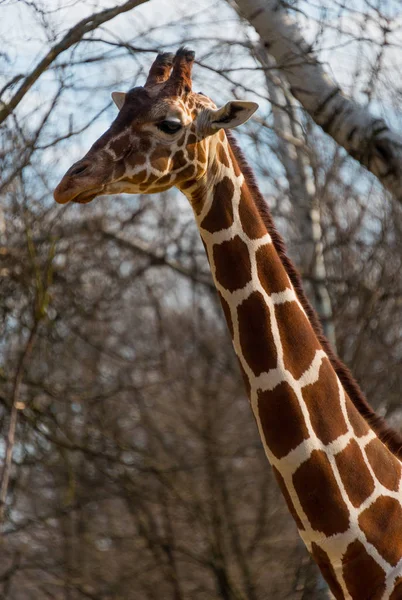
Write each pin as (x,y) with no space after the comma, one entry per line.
(118,99)
(231,115)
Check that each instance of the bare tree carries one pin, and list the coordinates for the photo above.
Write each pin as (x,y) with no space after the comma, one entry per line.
(302,190)
(72,37)
(136,469)
(366,138)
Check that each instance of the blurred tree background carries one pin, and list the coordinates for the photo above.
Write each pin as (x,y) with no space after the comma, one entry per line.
(137,470)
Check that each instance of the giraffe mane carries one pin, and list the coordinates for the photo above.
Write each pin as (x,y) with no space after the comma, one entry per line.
(391,438)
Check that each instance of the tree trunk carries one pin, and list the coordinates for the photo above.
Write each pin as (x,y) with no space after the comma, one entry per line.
(366,138)
(302,191)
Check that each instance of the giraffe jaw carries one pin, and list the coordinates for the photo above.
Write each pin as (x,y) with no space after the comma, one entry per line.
(62,195)
(86,197)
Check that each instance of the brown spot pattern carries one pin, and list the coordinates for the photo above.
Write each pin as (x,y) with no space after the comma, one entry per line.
(181,140)
(271,273)
(298,338)
(235,164)
(214,171)
(250,218)
(187,173)
(320,496)
(232,264)
(202,151)
(397,593)
(185,185)
(197,196)
(140,177)
(145,145)
(159,157)
(220,215)
(191,150)
(140,159)
(256,340)
(221,155)
(284,490)
(179,160)
(120,145)
(226,310)
(363,575)
(163,188)
(164,180)
(360,427)
(355,475)
(281,419)
(119,169)
(381,523)
(325,565)
(385,465)
(152,178)
(245,379)
(323,403)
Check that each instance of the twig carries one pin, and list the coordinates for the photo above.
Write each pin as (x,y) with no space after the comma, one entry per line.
(74,35)
(5,478)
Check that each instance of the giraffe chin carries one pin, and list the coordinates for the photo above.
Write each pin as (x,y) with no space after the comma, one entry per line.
(86,197)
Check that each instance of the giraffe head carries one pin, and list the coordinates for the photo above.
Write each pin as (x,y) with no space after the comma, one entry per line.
(159,139)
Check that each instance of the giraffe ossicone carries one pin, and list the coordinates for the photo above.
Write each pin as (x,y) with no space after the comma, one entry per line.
(337,465)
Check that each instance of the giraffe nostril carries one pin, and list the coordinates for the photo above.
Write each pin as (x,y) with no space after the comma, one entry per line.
(79,169)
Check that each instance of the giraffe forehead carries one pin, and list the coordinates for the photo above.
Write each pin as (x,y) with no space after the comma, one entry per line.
(185,108)
(171,107)
(163,108)
(155,103)
(190,104)
(142,105)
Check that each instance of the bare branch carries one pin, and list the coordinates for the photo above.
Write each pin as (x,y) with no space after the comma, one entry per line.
(366,138)
(73,36)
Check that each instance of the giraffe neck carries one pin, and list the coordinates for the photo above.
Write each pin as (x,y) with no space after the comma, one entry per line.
(341,483)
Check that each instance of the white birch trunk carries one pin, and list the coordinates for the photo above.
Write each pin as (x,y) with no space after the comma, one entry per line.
(302,190)
(2,226)
(366,138)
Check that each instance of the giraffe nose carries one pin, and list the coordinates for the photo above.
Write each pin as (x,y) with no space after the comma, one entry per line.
(79,168)
(71,184)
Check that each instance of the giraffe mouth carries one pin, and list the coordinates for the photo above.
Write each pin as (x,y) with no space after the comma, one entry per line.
(86,197)
(64,194)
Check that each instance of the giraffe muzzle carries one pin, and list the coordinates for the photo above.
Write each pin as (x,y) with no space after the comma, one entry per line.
(78,185)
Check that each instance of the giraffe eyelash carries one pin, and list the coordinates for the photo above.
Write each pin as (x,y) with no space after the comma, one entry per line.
(169,126)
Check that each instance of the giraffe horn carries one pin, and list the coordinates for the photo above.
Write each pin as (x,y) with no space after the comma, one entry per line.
(180,78)
(160,69)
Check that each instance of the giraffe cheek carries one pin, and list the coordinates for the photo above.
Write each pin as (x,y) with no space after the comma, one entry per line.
(160,165)
(160,160)
(119,170)
(201,152)
(187,173)
(179,160)
(140,177)
(119,145)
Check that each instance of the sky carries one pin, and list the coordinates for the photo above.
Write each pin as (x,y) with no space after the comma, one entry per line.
(25,35)
(152,25)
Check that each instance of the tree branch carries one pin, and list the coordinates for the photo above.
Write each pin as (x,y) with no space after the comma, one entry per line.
(365,137)
(73,36)
(159,259)
(13,418)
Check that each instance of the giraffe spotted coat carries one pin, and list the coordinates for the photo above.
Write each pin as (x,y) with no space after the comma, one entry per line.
(341,482)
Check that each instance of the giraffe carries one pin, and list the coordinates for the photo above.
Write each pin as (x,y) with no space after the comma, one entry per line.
(336,463)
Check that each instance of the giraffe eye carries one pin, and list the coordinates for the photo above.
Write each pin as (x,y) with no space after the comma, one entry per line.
(169,126)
